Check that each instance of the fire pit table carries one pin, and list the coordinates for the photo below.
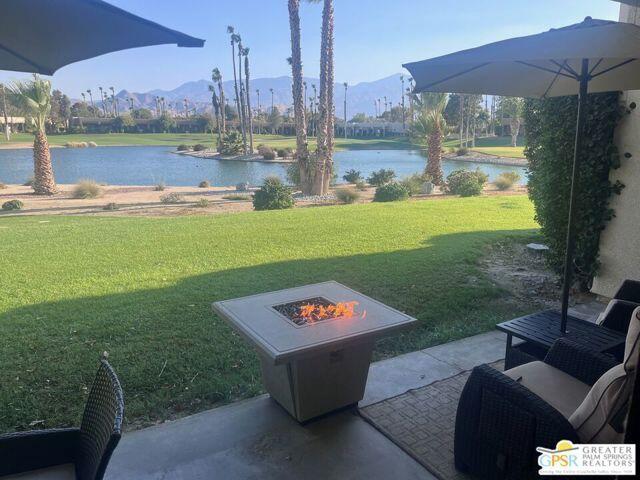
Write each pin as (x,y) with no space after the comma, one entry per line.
(314,342)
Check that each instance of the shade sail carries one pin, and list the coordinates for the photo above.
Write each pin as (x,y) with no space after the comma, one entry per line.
(542,65)
(41,36)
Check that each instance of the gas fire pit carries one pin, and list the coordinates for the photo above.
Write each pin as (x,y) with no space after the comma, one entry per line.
(314,342)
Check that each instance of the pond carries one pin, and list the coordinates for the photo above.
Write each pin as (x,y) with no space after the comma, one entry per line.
(150,165)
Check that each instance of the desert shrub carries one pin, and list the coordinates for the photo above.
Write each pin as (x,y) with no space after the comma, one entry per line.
(506,180)
(381,177)
(202,203)
(231,143)
(413,183)
(273,195)
(466,183)
(460,152)
(242,186)
(92,144)
(198,147)
(347,195)
(204,184)
(3,186)
(160,186)
(29,183)
(111,206)
(12,205)
(262,148)
(268,154)
(361,185)
(183,148)
(76,145)
(391,192)
(87,189)
(237,197)
(171,198)
(285,152)
(352,176)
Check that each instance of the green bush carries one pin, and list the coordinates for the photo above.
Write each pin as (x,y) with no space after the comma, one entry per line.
(550,143)
(202,203)
(111,206)
(198,147)
(231,144)
(204,184)
(159,187)
(466,183)
(413,184)
(273,195)
(352,176)
(285,152)
(381,177)
(506,180)
(347,195)
(262,148)
(87,189)
(12,205)
(237,197)
(391,192)
(269,155)
(183,147)
(171,198)
(461,152)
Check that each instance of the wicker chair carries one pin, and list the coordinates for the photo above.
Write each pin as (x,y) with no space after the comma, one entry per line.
(503,416)
(70,453)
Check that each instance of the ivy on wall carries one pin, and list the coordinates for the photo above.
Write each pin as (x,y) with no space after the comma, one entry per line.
(551,126)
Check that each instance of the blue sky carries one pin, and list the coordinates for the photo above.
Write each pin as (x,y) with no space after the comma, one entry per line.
(373,37)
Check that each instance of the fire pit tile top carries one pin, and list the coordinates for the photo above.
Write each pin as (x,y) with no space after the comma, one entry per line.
(274,321)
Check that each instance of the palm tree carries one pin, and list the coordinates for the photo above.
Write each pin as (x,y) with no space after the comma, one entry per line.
(512,107)
(402,93)
(102,99)
(429,127)
(234,39)
(7,128)
(242,112)
(245,52)
(299,98)
(35,99)
(272,104)
(216,111)
(216,76)
(113,101)
(93,107)
(346,86)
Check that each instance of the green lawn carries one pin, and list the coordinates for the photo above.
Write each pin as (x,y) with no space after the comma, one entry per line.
(175,139)
(500,146)
(141,289)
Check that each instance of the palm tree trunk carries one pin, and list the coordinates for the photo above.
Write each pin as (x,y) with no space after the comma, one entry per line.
(302,146)
(328,171)
(515,130)
(247,90)
(235,78)
(324,108)
(243,122)
(223,108)
(434,161)
(44,182)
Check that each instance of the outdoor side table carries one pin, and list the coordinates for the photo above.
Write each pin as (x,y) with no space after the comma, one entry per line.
(540,330)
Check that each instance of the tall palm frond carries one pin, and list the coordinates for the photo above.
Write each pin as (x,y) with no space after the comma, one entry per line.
(34,97)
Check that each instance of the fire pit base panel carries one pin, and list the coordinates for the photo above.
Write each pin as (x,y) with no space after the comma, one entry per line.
(312,386)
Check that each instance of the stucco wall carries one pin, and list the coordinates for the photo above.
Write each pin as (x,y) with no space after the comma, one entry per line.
(620,242)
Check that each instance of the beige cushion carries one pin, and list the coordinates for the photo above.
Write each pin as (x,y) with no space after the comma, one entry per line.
(59,472)
(560,390)
(607,401)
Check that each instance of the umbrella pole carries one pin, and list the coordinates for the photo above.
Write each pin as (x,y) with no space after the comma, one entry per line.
(571,234)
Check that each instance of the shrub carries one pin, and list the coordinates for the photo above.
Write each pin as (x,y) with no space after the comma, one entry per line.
(466,183)
(242,186)
(204,184)
(76,145)
(92,144)
(361,185)
(285,152)
(262,148)
(198,147)
(183,148)
(461,152)
(506,180)
(111,206)
(273,195)
(352,176)
(231,144)
(87,189)
(347,195)
(3,186)
(237,197)
(268,154)
(171,198)
(391,192)
(550,140)
(12,205)
(381,177)
(413,183)
(202,203)
(160,186)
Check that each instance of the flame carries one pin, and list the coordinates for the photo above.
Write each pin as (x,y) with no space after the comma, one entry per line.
(313,312)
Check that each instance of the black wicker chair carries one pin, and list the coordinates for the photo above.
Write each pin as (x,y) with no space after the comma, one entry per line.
(81,453)
(500,422)
(625,301)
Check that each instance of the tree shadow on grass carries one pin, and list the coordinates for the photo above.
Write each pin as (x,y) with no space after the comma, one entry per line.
(174,356)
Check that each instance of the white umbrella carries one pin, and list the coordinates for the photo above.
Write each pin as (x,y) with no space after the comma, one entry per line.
(41,36)
(591,56)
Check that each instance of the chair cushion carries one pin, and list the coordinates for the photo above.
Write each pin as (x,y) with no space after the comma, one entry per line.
(59,472)
(560,390)
(599,418)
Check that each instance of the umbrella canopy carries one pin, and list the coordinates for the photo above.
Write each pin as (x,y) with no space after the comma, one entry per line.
(41,36)
(543,65)
(591,56)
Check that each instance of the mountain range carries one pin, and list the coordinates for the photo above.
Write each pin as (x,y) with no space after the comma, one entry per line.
(361,97)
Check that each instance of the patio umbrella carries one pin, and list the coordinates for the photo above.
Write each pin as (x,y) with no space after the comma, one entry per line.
(588,57)
(41,36)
